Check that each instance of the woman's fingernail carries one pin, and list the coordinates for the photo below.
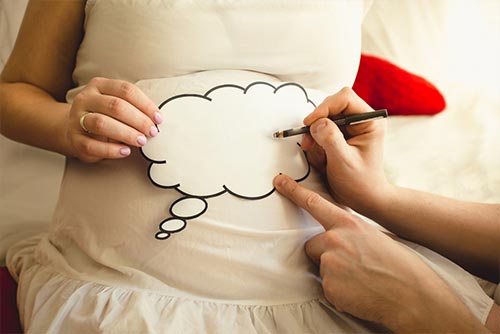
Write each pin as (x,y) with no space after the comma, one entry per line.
(142,140)
(125,151)
(157,118)
(153,131)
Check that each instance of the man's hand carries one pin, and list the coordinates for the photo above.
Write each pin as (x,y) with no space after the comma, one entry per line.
(351,157)
(369,275)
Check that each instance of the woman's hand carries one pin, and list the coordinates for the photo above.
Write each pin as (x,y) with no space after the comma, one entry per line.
(351,157)
(107,117)
(369,275)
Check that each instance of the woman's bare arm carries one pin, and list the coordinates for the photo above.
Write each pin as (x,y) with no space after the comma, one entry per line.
(38,74)
(116,114)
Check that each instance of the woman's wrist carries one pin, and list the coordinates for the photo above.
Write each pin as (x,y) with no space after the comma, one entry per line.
(61,143)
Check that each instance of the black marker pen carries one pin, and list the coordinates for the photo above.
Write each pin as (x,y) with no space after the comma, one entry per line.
(347,120)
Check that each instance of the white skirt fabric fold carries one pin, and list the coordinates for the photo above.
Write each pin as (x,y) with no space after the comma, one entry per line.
(51,301)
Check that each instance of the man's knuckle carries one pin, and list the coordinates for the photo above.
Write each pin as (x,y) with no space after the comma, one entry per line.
(313,201)
(347,92)
(331,238)
(328,258)
(352,222)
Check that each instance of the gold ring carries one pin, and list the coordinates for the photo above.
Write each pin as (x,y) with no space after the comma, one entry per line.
(82,120)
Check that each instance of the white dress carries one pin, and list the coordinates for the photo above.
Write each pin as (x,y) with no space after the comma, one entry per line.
(241,266)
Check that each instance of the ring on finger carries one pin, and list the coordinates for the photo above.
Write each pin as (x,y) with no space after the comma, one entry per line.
(82,121)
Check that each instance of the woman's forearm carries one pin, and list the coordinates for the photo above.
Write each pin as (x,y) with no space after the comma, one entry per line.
(31,116)
(467,233)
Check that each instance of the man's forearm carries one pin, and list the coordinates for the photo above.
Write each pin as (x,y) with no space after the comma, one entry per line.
(467,233)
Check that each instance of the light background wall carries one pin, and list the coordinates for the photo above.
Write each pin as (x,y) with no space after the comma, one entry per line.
(444,40)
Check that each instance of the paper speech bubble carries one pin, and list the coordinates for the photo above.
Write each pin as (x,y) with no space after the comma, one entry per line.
(222,141)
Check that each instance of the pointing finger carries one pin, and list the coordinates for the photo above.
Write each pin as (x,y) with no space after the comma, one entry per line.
(326,213)
(330,138)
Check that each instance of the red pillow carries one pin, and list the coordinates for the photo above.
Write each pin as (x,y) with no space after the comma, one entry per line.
(9,317)
(384,85)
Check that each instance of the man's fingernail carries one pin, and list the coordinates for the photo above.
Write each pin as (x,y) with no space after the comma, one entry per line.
(157,118)
(282,180)
(318,126)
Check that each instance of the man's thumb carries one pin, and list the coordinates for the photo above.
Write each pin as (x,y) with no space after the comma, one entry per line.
(327,135)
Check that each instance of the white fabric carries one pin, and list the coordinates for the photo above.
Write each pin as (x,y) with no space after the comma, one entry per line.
(189,36)
(79,306)
(11,15)
(246,264)
(211,126)
(454,153)
(60,282)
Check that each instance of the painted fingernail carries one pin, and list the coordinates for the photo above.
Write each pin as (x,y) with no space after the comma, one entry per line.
(153,131)
(142,140)
(157,118)
(125,151)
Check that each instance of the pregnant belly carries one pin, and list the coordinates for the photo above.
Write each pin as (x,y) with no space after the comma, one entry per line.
(110,218)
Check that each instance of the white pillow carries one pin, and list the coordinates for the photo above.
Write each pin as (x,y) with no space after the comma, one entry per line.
(11,15)
(444,41)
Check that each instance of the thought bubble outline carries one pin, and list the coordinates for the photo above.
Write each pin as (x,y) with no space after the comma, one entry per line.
(164,233)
